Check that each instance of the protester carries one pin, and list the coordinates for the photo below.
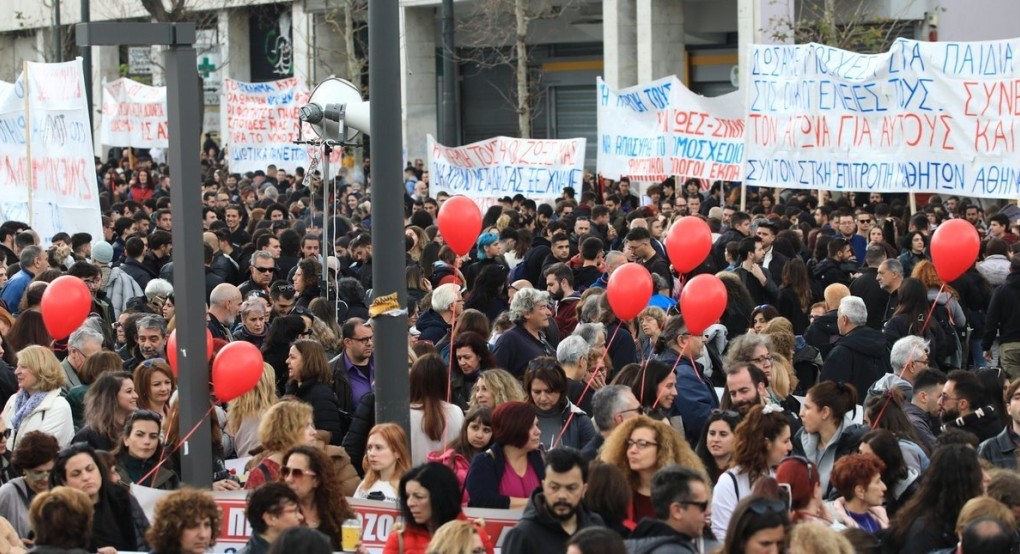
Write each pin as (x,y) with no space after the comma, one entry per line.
(827,435)
(34,457)
(505,475)
(387,458)
(310,380)
(186,521)
(858,480)
(139,455)
(561,422)
(271,509)
(494,388)
(759,524)
(310,473)
(109,403)
(155,383)
(61,520)
(287,424)
(715,446)
(245,412)
(434,421)
(38,405)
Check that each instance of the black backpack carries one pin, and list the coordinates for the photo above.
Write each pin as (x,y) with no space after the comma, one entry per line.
(947,346)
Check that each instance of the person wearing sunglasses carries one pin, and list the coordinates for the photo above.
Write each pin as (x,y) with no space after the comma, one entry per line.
(34,457)
(314,478)
(760,525)
(680,494)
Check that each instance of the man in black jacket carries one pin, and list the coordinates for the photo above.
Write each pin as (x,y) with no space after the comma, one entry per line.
(740,227)
(680,499)
(823,331)
(961,406)
(556,510)
(867,287)
(861,356)
(834,268)
(1004,320)
(1001,449)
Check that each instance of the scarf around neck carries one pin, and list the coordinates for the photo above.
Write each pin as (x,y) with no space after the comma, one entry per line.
(26,404)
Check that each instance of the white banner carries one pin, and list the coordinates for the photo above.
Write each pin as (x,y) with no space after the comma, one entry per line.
(504,166)
(134,114)
(660,129)
(938,117)
(47,168)
(262,123)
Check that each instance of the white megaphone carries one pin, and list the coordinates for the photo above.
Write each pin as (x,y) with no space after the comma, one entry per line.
(336,103)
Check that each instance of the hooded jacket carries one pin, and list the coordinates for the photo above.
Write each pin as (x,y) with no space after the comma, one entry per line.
(823,333)
(845,442)
(829,272)
(432,326)
(538,531)
(652,536)
(1003,314)
(860,358)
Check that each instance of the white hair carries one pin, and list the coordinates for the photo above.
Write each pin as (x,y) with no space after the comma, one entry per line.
(572,349)
(854,309)
(161,287)
(444,296)
(905,350)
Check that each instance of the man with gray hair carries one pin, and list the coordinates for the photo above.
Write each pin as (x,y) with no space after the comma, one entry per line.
(908,357)
(530,314)
(83,343)
(861,356)
(890,277)
(261,271)
(151,331)
(435,323)
(572,354)
(610,406)
(224,305)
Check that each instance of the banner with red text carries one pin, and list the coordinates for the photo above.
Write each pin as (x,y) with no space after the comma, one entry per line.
(47,168)
(660,129)
(377,519)
(934,117)
(262,123)
(504,166)
(134,114)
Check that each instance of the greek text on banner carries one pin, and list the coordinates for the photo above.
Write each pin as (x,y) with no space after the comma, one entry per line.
(134,114)
(504,166)
(923,117)
(262,123)
(655,130)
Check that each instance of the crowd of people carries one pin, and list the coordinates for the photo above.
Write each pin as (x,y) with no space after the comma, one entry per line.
(848,400)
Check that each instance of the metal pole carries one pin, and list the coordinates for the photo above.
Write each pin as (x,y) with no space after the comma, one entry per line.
(391,399)
(86,58)
(323,244)
(185,124)
(449,103)
(58,54)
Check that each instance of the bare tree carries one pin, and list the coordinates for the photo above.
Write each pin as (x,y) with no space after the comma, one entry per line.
(349,21)
(159,12)
(845,24)
(497,34)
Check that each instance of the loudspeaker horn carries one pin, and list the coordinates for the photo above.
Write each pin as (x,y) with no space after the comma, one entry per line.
(334,100)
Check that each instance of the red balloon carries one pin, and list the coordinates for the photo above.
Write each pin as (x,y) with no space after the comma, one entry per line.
(628,290)
(702,302)
(66,303)
(236,370)
(954,248)
(460,221)
(688,243)
(171,348)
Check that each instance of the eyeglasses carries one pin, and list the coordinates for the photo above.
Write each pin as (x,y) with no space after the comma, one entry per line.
(284,288)
(296,473)
(6,434)
(363,340)
(764,506)
(640,410)
(640,443)
(763,360)
(702,505)
(153,361)
(263,269)
(944,396)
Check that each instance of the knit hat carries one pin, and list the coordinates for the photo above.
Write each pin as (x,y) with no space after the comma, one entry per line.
(102,252)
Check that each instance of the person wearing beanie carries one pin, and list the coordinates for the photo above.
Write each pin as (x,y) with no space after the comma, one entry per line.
(118,285)
(505,475)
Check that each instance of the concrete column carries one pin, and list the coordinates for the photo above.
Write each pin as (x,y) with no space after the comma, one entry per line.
(302,39)
(661,51)
(10,68)
(105,68)
(234,48)
(418,66)
(619,31)
(753,20)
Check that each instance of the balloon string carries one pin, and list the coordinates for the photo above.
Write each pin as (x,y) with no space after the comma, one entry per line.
(587,386)
(932,310)
(180,443)
(888,397)
(449,378)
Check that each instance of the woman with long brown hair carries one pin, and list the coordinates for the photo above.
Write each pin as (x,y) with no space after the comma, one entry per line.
(760,443)
(310,473)
(434,421)
(796,296)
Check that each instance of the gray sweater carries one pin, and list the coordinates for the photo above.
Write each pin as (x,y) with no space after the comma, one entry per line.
(15,496)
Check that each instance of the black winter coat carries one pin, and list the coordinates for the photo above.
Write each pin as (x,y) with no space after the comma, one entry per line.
(860,358)
(652,536)
(828,272)
(325,409)
(823,333)
(538,531)
(1004,314)
(357,435)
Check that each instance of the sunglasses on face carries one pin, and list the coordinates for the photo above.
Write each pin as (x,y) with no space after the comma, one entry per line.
(764,506)
(296,473)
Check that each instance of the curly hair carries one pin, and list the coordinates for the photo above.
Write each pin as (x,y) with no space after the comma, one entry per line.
(747,448)
(953,478)
(673,449)
(503,386)
(330,501)
(180,510)
(855,470)
(281,427)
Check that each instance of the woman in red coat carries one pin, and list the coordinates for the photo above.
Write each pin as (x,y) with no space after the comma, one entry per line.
(429,497)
